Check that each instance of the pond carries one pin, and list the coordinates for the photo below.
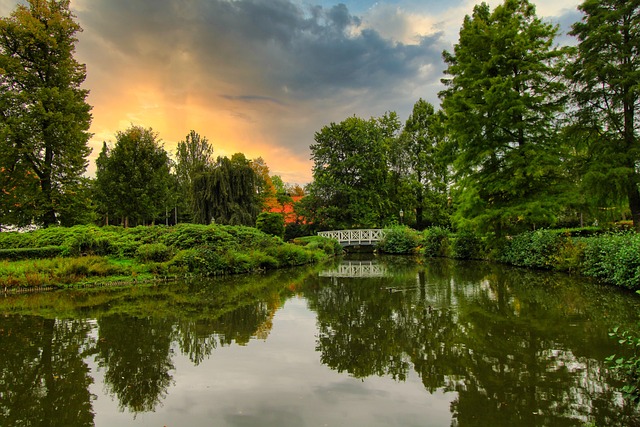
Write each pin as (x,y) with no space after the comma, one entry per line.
(369,341)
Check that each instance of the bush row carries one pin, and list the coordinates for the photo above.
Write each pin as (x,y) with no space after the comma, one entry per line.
(612,257)
(186,249)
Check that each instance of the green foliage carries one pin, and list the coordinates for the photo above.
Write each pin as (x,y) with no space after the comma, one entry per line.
(45,120)
(194,155)
(31,253)
(627,365)
(421,166)
(605,72)
(435,242)
(351,186)
(534,249)
(613,258)
(271,223)
(199,250)
(57,271)
(328,246)
(399,240)
(466,245)
(226,193)
(502,102)
(132,178)
(155,252)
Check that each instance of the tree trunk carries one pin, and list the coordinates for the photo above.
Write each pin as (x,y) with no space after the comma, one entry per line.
(634,201)
(49,216)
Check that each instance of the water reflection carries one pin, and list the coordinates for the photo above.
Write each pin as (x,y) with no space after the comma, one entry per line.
(518,348)
(44,380)
(511,347)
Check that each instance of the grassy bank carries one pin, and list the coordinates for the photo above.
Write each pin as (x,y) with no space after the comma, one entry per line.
(85,255)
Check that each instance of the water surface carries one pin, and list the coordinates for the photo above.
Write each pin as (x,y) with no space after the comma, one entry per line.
(361,342)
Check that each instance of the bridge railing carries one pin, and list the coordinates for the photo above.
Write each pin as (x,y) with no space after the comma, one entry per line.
(356,269)
(355,237)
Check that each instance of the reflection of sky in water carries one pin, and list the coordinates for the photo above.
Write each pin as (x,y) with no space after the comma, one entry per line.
(279,382)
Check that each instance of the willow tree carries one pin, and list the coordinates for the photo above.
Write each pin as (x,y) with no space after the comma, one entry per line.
(502,98)
(44,116)
(606,72)
(226,193)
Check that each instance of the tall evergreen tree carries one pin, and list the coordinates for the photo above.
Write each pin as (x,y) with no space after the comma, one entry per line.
(132,178)
(44,116)
(501,100)
(607,75)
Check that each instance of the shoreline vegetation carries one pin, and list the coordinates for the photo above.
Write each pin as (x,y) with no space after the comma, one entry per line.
(91,256)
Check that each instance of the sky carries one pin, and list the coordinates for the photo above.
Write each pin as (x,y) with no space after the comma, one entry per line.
(261,77)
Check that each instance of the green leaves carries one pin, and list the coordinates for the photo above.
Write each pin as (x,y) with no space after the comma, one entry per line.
(502,102)
(45,118)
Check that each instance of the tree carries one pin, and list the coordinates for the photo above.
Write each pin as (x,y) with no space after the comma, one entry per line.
(193,156)
(132,178)
(502,100)
(227,193)
(264,185)
(350,186)
(44,116)
(422,164)
(607,74)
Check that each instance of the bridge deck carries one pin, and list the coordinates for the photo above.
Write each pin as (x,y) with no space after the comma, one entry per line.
(362,237)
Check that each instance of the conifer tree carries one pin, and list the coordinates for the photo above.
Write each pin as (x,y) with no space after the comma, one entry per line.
(607,77)
(44,116)
(502,98)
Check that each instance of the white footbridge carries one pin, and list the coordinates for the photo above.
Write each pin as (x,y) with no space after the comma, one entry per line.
(364,237)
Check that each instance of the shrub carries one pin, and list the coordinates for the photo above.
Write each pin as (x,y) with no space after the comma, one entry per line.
(534,249)
(154,252)
(271,223)
(613,258)
(435,242)
(399,240)
(466,245)
(31,253)
(627,366)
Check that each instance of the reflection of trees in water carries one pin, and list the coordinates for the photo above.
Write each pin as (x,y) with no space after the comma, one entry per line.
(43,377)
(198,338)
(135,355)
(498,337)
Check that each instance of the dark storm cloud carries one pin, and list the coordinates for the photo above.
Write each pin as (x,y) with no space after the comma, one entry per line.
(278,47)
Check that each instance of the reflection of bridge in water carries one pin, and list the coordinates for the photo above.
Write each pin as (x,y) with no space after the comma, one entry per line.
(356,269)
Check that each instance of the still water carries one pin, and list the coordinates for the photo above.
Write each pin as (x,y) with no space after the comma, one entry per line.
(359,342)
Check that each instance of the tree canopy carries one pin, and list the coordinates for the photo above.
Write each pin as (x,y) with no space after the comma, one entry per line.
(502,100)
(606,72)
(132,178)
(44,116)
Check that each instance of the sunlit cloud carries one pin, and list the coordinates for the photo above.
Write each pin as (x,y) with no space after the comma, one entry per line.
(261,77)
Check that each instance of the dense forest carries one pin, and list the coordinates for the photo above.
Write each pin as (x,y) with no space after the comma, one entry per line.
(528,134)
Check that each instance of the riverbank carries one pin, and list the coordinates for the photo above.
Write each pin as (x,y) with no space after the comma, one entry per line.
(84,256)
(611,256)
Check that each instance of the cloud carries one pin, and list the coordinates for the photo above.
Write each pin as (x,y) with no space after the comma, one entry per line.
(275,71)
(255,76)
